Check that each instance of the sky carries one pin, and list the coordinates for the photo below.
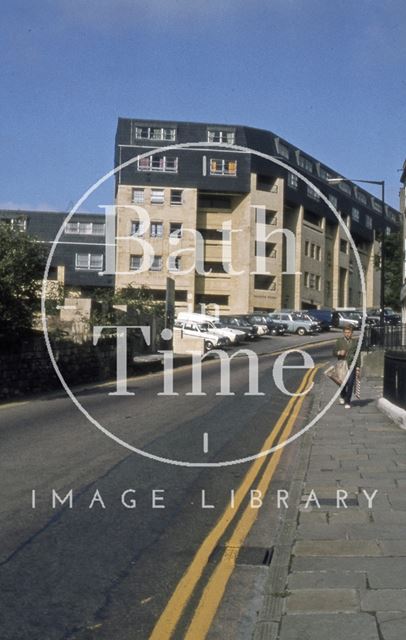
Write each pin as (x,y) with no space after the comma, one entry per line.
(328,76)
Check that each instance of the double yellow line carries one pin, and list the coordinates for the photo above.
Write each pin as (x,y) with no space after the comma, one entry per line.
(214,590)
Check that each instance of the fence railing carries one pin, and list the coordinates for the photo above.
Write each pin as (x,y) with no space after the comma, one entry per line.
(394,379)
(387,337)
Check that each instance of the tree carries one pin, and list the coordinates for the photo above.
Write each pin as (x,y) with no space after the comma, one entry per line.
(393,269)
(137,300)
(22,263)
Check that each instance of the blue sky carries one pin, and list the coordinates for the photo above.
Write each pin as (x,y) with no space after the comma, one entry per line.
(328,76)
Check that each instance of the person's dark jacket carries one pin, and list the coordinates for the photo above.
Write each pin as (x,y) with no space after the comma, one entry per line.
(349,346)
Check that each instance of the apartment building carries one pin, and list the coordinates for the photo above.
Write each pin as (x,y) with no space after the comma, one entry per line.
(215,198)
(79,258)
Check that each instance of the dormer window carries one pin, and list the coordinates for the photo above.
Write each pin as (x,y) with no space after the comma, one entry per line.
(221,135)
(305,164)
(155,133)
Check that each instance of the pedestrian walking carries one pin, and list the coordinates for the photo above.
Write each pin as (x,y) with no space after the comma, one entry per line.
(345,348)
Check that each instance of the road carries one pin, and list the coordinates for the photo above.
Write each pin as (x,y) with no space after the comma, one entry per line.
(107,565)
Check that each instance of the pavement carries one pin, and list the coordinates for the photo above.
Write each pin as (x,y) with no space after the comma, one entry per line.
(337,572)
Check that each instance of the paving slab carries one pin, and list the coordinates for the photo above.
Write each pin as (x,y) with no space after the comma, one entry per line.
(393,547)
(327,580)
(384,600)
(337,600)
(339,626)
(336,548)
(392,625)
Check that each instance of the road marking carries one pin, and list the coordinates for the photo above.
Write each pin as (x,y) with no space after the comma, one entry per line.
(205,442)
(173,611)
(16,403)
(215,588)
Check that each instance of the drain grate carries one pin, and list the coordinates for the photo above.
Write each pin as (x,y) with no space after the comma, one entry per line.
(253,556)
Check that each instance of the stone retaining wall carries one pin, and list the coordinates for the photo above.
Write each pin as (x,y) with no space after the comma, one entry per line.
(26,368)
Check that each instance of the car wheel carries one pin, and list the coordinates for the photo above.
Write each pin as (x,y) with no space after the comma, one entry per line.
(209,345)
(301,331)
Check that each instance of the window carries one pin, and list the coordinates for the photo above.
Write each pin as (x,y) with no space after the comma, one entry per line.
(311,217)
(174,263)
(266,183)
(72,227)
(388,231)
(282,149)
(307,245)
(265,283)
(212,298)
(326,175)
(176,196)
(98,228)
(312,193)
(223,167)
(344,186)
(157,196)
(85,228)
(176,229)
(361,197)
(376,205)
(368,221)
(89,261)
(155,133)
(159,164)
(213,201)
(221,135)
(156,263)
(16,223)
(138,196)
(318,253)
(215,267)
(156,230)
(333,200)
(312,281)
(306,279)
(135,263)
(293,180)
(343,246)
(137,228)
(305,164)
(313,250)
(211,234)
(355,214)
(318,280)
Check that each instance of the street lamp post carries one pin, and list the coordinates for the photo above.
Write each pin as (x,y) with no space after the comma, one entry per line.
(381,183)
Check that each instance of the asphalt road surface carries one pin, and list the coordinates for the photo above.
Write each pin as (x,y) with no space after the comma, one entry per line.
(104,564)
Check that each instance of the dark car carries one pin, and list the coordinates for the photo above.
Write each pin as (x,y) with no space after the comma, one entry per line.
(323,316)
(237,322)
(274,328)
(391,318)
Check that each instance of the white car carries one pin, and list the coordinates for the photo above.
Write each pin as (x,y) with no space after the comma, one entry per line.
(211,340)
(212,325)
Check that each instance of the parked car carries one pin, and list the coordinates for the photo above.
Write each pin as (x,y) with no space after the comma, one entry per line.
(274,328)
(211,340)
(256,321)
(295,322)
(237,322)
(323,316)
(342,317)
(306,316)
(233,336)
(390,316)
